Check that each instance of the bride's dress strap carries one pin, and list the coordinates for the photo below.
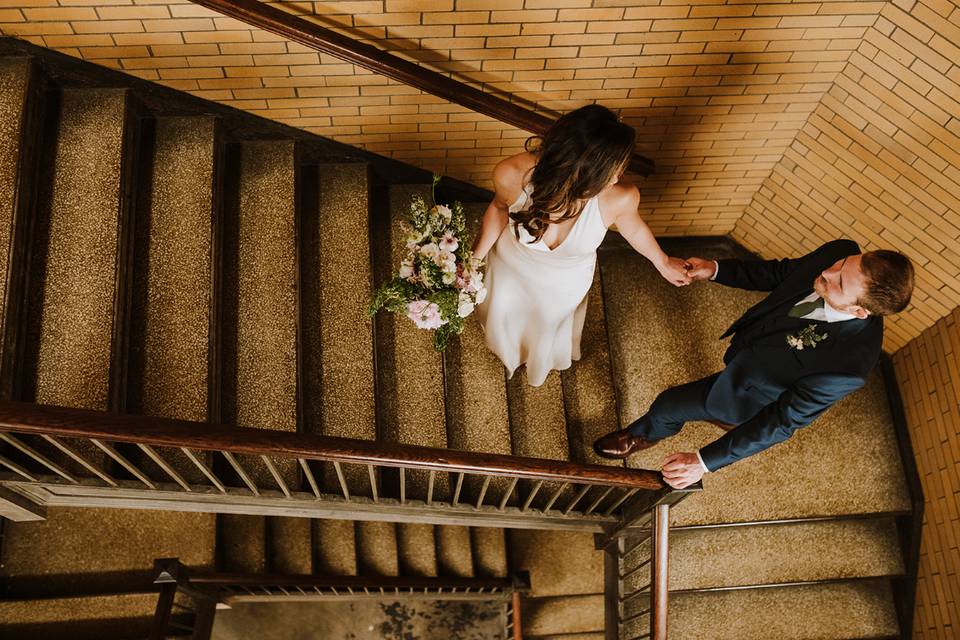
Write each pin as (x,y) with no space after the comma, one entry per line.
(522,198)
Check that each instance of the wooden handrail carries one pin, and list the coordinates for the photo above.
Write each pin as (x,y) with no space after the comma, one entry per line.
(359,582)
(310,34)
(37,419)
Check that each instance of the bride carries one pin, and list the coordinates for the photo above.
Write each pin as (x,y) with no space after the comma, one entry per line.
(552,207)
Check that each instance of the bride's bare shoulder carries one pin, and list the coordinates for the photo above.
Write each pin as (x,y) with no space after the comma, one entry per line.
(510,173)
(619,199)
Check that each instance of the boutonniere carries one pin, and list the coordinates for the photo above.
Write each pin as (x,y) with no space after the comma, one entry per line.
(806,337)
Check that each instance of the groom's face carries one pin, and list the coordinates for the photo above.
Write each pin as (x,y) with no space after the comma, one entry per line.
(842,284)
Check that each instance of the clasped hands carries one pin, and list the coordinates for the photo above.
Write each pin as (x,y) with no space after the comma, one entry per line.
(680,272)
(680,470)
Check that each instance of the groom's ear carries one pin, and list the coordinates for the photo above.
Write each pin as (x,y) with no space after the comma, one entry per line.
(859,311)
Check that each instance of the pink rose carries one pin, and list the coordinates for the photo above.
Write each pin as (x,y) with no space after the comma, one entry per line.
(425,314)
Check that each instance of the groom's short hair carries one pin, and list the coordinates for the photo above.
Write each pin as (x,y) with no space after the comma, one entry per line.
(889,282)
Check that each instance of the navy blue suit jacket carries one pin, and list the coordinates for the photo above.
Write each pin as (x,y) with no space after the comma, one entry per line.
(769,389)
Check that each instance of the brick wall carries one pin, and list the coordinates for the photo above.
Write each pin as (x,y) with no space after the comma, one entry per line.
(879,160)
(716,91)
(928,371)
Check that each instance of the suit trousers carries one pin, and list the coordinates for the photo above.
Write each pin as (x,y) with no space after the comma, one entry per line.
(673,408)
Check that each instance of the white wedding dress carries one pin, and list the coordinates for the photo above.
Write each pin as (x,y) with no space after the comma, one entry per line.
(537,297)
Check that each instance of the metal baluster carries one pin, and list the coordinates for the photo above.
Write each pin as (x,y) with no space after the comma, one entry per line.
(373,482)
(160,462)
(276,475)
(403,486)
(506,495)
(343,481)
(206,471)
(595,503)
(483,492)
(309,474)
(576,499)
(433,474)
(533,493)
(633,572)
(556,494)
(619,501)
(79,459)
(456,493)
(39,457)
(126,464)
(240,472)
(20,470)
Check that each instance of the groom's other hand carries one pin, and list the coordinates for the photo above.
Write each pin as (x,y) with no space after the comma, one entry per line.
(681,470)
(701,269)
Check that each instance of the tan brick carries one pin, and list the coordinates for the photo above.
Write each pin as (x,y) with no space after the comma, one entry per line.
(11,15)
(90,40)
(217,36)
(61,14)
(112,26)
(192,74)
(93,53)
(683,25)
(148,38)
(457,17)
(179,24)
(184,50)
(533,15)
(132,13)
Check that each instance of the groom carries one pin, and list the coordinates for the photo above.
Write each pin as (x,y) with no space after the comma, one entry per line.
(805,346)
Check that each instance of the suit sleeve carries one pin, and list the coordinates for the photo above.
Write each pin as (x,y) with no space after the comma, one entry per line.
(766,275)
(796,407)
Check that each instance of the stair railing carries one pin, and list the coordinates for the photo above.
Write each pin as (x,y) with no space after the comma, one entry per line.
(635,570)
(318,38)
(55,456)
(202,593)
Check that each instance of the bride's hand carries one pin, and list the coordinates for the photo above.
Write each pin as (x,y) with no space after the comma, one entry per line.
(674,271)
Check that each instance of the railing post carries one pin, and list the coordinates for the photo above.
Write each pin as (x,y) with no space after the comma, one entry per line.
(659,584)
(612,592)
(161,616)
(515,614)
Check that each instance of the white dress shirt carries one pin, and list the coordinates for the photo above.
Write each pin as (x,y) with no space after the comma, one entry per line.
(826,313)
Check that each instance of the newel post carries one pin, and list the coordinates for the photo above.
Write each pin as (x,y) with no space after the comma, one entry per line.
(659,572)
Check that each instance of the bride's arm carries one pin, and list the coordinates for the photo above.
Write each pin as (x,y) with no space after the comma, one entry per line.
(497,215)
(632,227)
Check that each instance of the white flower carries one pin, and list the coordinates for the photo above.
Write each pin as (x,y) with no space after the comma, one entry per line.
(444,211)
(464,309)
(444,256)
(431,250)
(481,294)
(449,242)
(406,269)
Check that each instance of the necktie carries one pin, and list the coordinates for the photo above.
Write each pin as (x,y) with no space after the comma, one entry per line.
(801,309)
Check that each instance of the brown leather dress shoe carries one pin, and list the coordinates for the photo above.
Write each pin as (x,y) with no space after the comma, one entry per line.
(620,444)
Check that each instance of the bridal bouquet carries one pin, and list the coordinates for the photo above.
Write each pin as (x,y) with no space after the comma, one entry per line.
(438,283)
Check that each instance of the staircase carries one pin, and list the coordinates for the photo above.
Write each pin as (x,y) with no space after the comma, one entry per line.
(176,259)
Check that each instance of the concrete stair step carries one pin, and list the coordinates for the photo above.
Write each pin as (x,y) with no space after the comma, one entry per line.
(260,307)
(81,550)
(377,553)
(778,553)
(560,563)
(454,551)
(335,547)
(173,288)
(242,543)
(115,616)
(663,336)
(417,550)
(489,546)
(562,615)
(846,610)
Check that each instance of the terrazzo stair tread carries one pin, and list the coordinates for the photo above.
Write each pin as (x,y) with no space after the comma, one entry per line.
(335,547)
(19,126)
(651,350)
(339,397)
(173,287)
(260,305)
(588,391)
(410,372)
(771,554)
(111,616)
(377,549)
(77,248)
(560,563)
(489,546)
(289,546)
(562,615)
(80,550)
(454,551)
(416,550)
(848,610)
(478,418)
(570,636)
(242,543)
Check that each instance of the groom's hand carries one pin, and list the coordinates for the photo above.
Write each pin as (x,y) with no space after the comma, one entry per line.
(681,470)
(701,269)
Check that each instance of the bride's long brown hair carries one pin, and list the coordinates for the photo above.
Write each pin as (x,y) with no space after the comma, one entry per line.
(576,158)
